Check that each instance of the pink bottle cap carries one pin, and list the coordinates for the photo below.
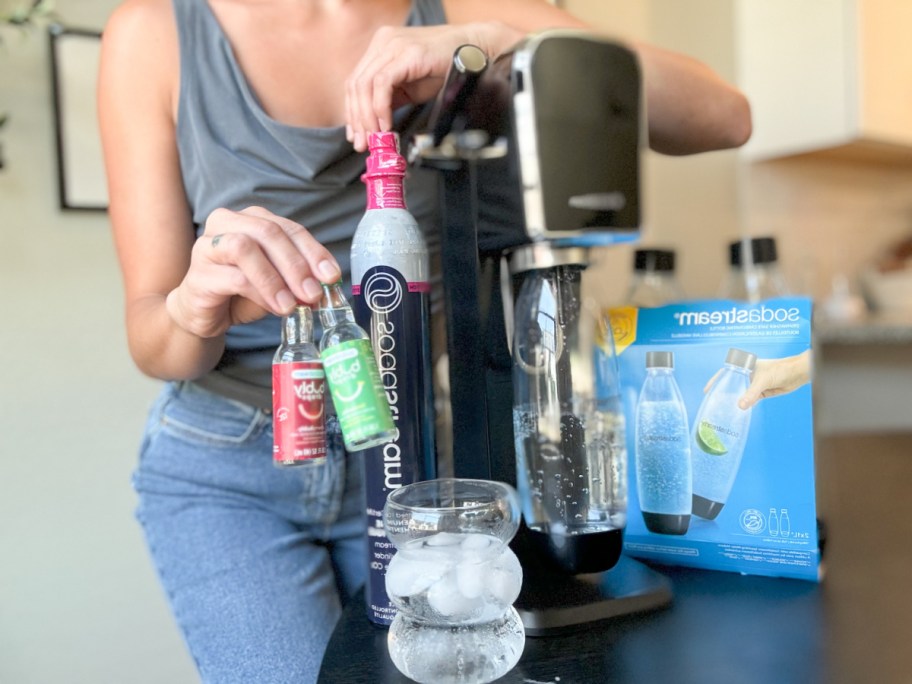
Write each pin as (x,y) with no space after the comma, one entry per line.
(384,158)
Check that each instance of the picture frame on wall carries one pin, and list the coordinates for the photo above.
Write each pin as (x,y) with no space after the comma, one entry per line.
(75,55)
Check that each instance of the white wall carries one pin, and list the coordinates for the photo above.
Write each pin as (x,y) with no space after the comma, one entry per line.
(829,216)
(79,602)
(689,203)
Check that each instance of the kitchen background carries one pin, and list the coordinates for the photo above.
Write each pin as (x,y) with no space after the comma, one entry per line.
(78,598)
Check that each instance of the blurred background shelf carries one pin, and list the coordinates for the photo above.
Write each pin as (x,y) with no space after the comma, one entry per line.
(863,375)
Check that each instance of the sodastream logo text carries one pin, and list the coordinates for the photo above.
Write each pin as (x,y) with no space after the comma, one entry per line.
(735,315)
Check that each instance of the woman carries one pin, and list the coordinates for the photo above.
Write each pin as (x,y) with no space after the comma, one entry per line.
(233,133)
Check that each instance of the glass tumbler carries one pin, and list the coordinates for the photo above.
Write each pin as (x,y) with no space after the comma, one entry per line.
(453,580)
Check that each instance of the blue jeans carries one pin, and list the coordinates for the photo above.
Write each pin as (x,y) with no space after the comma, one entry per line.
(256,561)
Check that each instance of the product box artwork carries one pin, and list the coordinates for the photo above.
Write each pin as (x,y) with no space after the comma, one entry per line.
(720,439)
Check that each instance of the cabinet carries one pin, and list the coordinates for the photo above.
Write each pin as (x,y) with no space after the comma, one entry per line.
(829,76)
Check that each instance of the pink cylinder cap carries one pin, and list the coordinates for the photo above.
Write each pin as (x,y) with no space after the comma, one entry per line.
(384,158)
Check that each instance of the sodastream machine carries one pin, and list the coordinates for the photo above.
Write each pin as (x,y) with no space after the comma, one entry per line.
(538,156)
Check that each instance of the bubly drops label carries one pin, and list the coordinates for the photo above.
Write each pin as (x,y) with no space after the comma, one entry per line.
(298,401)
(354,382)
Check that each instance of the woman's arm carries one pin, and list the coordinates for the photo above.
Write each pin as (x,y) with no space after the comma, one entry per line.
(183,293)
(153,233)
(689,107)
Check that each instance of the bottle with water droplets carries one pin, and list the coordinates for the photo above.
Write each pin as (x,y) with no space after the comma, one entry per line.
(663,461)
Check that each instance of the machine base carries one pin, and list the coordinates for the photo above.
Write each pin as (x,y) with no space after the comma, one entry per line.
(552,603)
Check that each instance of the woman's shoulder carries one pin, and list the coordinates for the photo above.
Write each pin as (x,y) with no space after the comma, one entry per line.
(140,51)
(131,11)
(146,21)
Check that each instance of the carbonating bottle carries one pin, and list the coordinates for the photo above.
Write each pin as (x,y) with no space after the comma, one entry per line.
(568,421)
(298,394)
(754,272)
(391,289)
(654,282)
(663,461)
(719,434)
(352,376)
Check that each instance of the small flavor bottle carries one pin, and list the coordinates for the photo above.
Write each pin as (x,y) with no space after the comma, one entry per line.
(298,394)
(351,371)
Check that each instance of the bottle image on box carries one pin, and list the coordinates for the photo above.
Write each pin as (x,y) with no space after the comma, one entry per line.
(785,525)
(298,394)
(663,459)
(719,434)
(773,522)
(391,290)
(352,375)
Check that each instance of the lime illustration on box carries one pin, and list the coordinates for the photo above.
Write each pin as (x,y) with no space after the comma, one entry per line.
(720,437)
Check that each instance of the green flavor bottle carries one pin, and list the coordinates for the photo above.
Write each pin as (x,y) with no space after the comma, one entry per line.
(352,374)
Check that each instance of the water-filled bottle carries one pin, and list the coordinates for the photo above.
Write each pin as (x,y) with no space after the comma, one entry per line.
(568,424)
(719,434)
(663,464)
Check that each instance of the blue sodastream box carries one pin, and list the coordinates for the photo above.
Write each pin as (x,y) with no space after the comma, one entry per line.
(756,516)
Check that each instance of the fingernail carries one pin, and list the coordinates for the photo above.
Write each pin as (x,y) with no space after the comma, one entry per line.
(349,134)
(285,300)
(329,272)
(312,288)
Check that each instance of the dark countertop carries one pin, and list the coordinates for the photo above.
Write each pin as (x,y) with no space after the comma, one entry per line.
(877,329)
(726,628)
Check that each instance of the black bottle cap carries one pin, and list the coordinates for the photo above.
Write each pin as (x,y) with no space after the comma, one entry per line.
(654,260)
(763,251)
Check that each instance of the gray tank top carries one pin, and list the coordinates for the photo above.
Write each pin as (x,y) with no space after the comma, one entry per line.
(233,155)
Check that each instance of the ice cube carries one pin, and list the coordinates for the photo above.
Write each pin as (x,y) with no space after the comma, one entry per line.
(407,575)
(445,598)
(470,578)
(504,581)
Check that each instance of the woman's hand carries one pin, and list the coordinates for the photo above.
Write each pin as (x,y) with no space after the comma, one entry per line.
(690,108)
(246,264)
(774,377)
(405,65)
